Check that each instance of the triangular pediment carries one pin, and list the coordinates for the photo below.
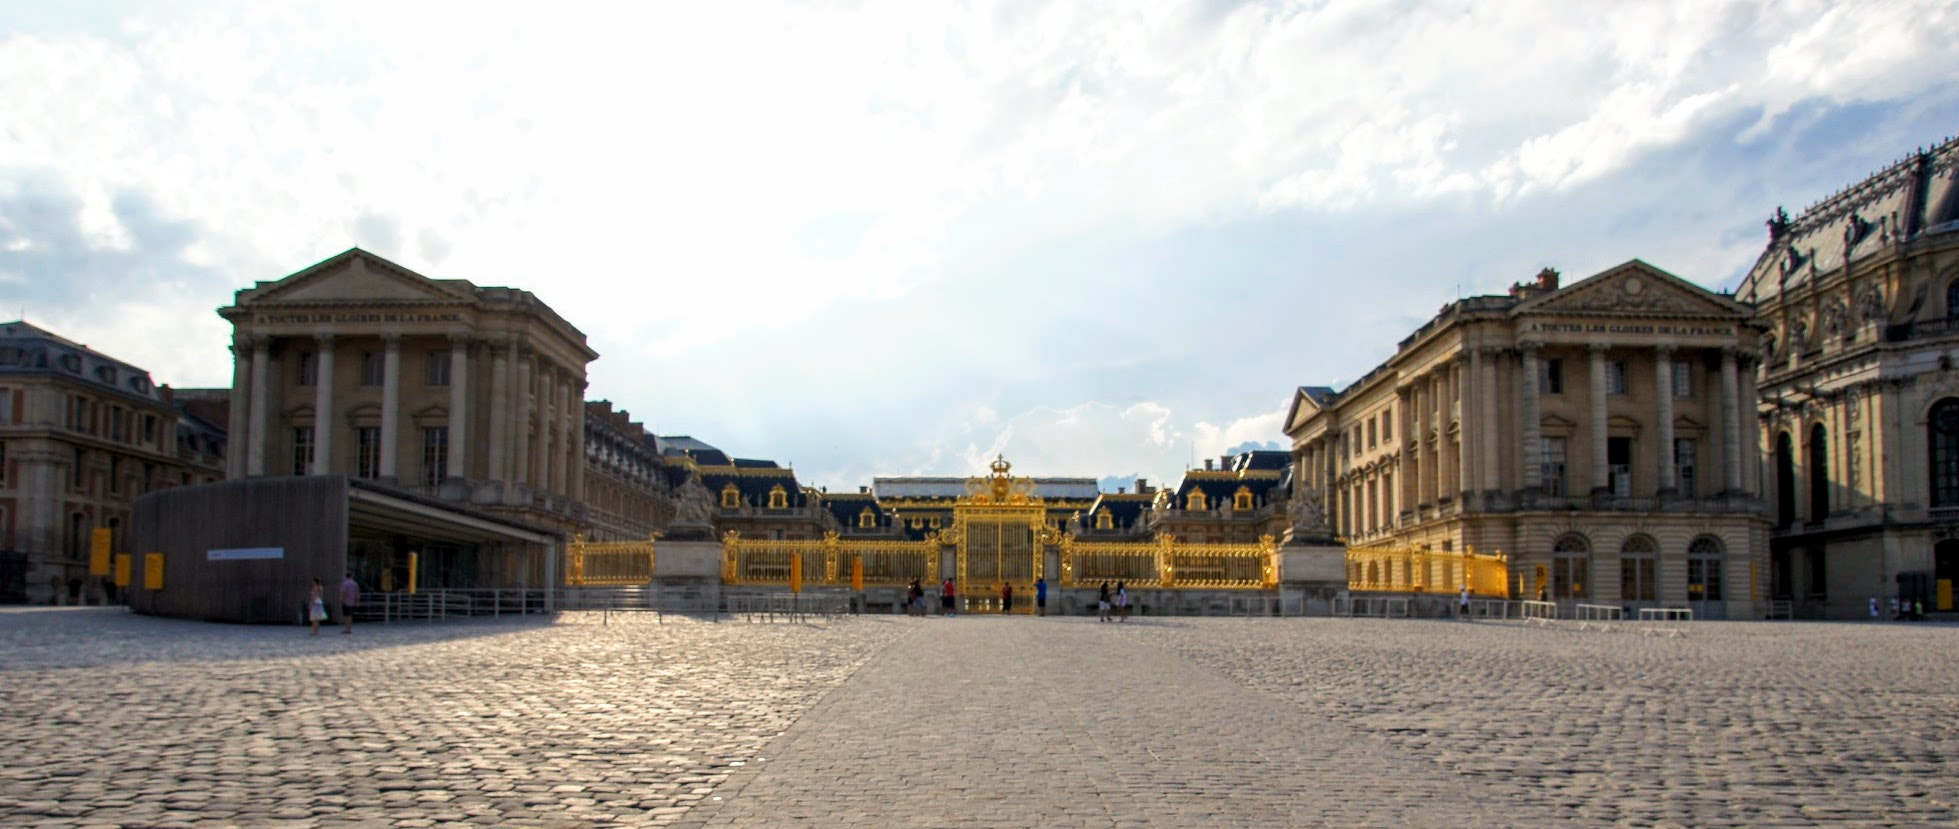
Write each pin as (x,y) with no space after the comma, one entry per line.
(1634,289)
(358,276)
(1306,402)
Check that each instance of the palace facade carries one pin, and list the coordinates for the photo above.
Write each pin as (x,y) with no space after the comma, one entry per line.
(1600,434)
(82,435)
(1859,405)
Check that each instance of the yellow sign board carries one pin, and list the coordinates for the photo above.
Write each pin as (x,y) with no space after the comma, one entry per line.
(414,572)
(1944,595)
(98,550)
(795,574)
(153,571)
(857,573)
(122,569)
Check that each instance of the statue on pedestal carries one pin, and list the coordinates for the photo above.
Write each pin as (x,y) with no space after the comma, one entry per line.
(692,519)
(1308,521)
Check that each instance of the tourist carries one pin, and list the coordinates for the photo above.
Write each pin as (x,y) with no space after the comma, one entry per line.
(945,598)
(316,605)
(350,597)
(1122,602)
(1102,604)
(1041,597)
(1873,608)
(914,599)
(1006,597)
(1463,604)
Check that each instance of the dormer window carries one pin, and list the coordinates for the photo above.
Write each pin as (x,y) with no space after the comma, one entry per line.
(730,496)
(867,519)
(1195,501)
(778,498)
(1242,499)
(1104,521)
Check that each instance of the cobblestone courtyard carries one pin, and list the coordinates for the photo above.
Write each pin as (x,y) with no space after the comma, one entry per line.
(114,719)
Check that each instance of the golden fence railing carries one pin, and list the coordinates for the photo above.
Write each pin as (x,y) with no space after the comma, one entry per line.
(1411,570)
(827,561)
(1165,563)
(608,562)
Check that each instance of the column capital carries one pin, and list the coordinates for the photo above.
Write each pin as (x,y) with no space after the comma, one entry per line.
(1530,348)
(1664,350)
(460,339)
(1598,349)
(1491,352)
(391,339)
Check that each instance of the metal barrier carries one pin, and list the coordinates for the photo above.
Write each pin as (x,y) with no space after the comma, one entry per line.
(1650,616)
(1599,616)
(1536,612)
(430,605)
(1376,606)
(1495,609)
(790,607)
(1781,609)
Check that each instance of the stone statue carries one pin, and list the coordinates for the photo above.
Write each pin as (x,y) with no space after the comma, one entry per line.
(692,514)
(1308,522)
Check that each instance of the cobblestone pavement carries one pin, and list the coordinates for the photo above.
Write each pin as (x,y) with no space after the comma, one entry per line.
(114,719)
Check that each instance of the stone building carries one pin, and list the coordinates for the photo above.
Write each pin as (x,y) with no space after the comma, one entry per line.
(82,435)
(1600,434)
(1234,501)
(628,492)
(1860,393)
(469,395)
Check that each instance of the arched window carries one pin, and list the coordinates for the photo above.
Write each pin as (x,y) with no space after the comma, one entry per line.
(778,497)
(1704,569)
(1571,567)
(1195,500)
(1242,499)
(1942,436)
(1785,480)
(1103,520)
(1819,472)
(1638,569)
(730,496)
(867,519)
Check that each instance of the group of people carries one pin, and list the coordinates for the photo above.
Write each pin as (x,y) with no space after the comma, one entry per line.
(350,596)
(1112,607)
(949,598)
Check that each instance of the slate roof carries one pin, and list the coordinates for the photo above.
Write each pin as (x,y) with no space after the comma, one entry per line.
(26,348)
(846,506)
(1916,196)
(1219,487)
(753,484)
(1125,510)
(1084,489)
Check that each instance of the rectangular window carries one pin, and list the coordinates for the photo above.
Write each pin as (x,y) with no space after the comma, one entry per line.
(373,368)
(309,368)
(1370,433)
(149,430)
(3,466)
(435,454)
(302,450)
(1550,377)
(1818,572)
(1554,459)
(438,368)
(1387,424)
(1618,466)
(1686,455)
(6,406)
(1615,377)
(79,474)
(1683,380)
(115,422)
(367,452)
(115,475)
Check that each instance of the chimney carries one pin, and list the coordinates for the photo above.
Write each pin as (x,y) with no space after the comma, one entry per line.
(1547,279)
(1122,490)
(1142,486)
(1207,465)
(168,394)
(1224,463)
(863,490)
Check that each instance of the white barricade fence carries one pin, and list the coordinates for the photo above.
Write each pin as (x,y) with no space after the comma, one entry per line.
(1543,613)
(1664,621)
(1598,616)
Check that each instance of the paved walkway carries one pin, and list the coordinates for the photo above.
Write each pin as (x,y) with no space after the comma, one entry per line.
(111,719)
(984,721)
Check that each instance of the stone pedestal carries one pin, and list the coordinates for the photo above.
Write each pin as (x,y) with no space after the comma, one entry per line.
(1312,574)
(688,573)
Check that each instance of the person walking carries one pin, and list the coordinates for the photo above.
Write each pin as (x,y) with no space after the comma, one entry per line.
(1462,605)
(350,598)
(316,605)
(1041,596)
(914,599)
(946,595)
(1006,597)
(1102,604)
(1122,602)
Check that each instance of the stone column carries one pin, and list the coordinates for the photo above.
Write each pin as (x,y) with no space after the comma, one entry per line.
(1532,451)
(1731,422)
(578,442)
(541,450)
(1466,370)
(1663,411)
(1438,404)
(1600,480)
(1486,425)
(570,454)
(257,428)
(1424,456)
(323,418)
(1749,448)
(520,459)
(499,447)
(241,384)
(390,404)
(458,407)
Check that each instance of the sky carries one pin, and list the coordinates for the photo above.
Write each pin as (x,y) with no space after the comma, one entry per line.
(1104,239)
